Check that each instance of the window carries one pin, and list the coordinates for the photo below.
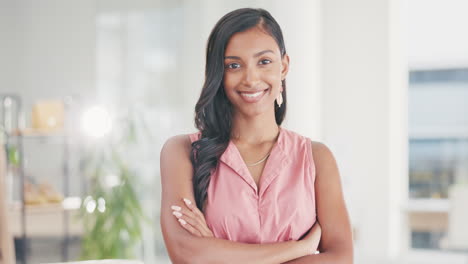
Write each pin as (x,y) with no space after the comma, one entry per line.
(438,152)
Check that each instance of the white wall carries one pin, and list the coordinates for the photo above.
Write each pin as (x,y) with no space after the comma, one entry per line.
(50,50)
(301,22)
(8,46)
(364,95)
(437,34)
(47,53)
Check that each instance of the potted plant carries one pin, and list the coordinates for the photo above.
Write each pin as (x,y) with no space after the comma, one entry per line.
(111,212)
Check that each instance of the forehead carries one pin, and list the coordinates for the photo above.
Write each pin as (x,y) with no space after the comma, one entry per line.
(249,42)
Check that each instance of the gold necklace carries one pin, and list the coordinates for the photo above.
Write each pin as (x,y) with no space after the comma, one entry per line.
(258,162)
(266,157)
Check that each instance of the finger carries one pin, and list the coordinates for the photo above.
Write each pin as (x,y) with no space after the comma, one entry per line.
(189,214)
(184,211)
(194,208)
(203,229)
(195,224)
(200,215)
(189,228)
(192,220)
(195,221)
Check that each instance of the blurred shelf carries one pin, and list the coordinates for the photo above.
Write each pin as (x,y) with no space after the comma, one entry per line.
(428,222)
(428,215)
(47,220)
(37,133)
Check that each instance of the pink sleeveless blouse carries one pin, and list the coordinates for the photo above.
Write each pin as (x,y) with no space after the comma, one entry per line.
(282,208)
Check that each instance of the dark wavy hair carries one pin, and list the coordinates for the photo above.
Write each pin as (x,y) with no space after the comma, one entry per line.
(213,112)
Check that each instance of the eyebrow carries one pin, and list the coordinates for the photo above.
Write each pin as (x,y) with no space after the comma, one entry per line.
(255,55)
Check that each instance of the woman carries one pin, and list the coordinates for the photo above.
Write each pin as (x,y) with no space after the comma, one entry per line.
(243,189)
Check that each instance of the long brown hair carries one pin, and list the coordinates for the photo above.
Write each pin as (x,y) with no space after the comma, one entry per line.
(213,112)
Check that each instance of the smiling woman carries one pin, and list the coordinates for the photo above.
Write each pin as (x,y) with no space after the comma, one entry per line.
(251,76)
(262,193)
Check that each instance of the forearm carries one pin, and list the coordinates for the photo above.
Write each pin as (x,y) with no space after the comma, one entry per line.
(213,250)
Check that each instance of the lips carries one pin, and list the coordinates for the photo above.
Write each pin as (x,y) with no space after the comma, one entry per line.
(253,96)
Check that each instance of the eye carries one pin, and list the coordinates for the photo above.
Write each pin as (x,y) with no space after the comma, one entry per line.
(265,61)
(233,66)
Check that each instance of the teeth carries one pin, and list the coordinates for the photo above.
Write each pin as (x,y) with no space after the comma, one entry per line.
(251,95)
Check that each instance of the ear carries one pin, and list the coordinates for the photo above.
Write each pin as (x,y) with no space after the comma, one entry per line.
(284,66)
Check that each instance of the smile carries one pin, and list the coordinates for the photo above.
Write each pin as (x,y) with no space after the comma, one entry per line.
(253,97)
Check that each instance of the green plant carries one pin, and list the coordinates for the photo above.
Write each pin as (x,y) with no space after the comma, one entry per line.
(112,214)
(13,155)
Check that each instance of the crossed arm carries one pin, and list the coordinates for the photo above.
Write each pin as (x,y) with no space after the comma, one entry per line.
(184,247)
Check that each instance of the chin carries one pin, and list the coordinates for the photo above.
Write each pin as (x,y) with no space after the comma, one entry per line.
(256,111)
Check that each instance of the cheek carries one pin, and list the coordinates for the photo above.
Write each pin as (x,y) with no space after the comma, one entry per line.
(229,87)
(273,75)
(274,79)
(230,82)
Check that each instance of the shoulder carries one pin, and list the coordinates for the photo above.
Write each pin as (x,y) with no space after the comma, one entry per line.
(175,163)
(318,152)
(321,155)
(176,146)
(295,139)
(319,149)
(323,158)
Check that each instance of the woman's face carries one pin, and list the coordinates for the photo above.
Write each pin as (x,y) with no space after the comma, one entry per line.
(253,70)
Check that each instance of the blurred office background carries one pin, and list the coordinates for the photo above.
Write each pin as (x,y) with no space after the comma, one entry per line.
(383,83)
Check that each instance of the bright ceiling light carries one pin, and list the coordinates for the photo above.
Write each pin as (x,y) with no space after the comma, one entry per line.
(96,121)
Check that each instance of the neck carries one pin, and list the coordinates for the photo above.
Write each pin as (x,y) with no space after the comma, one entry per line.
(254,130)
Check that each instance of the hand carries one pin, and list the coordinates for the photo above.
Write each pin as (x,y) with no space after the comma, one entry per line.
(192,219)
(312,239)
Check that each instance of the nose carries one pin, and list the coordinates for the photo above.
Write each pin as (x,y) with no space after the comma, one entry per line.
(251,77)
